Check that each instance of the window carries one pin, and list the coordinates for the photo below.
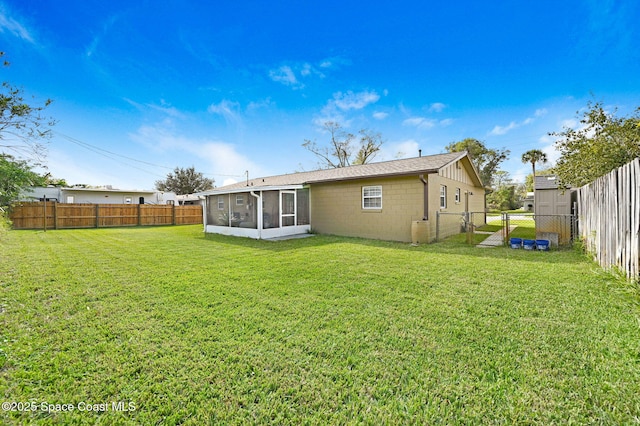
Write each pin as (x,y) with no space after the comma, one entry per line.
(220,202)
(128,200)
(443,197)
(372,197)
(239,200)
(457,195)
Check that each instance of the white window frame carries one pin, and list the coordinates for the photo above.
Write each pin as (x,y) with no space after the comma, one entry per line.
(128,199)
(366,195)
(457,197)
(239,199)
(443,196)
(220,202)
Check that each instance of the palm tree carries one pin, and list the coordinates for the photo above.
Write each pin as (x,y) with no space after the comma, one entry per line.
(534,156)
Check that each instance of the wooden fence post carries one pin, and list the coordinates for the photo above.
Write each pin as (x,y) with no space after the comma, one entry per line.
(97,215)
(55,215)
(173,214)
(44,207)
(139,212)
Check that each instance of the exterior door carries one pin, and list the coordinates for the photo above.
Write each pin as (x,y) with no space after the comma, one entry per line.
(288,208)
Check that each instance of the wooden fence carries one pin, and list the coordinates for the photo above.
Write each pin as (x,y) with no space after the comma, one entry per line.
(64,216)
(609,219)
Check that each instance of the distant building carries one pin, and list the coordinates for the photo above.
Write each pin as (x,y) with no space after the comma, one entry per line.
(104,195)
(528,202)
(190,200)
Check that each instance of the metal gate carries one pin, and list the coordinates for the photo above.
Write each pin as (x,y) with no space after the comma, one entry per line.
(559,230)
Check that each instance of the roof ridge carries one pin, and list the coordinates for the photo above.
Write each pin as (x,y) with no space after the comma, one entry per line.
(395,167)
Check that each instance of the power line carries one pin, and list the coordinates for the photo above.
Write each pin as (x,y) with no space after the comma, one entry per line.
(102,151)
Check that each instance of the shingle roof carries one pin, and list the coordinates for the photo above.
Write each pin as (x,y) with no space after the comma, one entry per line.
(417,165)
(546,182)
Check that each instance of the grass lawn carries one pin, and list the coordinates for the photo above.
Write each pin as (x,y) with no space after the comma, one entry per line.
(194,329)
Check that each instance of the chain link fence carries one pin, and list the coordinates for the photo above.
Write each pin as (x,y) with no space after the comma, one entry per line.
(449,224)
(559,230)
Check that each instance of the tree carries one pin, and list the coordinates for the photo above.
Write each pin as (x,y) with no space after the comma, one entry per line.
(185,181)
(602,143)
(15,175)
(534,156)
(506,195)
(342,145)
(486,160)
(23,131)
(23,128)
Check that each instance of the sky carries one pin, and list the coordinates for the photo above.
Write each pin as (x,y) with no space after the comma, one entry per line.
(235,88)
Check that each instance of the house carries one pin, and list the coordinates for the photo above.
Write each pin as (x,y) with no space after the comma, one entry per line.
(104,195)
(190,200)
(386,200)
(528,202)
(553,209)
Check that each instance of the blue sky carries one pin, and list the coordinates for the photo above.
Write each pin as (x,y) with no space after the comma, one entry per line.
(230,87)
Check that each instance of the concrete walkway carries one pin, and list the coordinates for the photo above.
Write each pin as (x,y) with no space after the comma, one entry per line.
(495,239)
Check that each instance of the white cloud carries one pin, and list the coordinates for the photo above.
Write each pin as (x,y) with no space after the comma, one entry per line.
(264,103)
(98,39)
(334,62)
(408,148)
(76,169)
(549,148)
(380,115)
(229,110)
(570,123)
(446,122)
(350,100)
(343,102)
(502,130)
(223,158)
(167,109)
(306,70)
(291,75)
(420,122)
(437,107)
(332,116)
(286,76)
(13,26)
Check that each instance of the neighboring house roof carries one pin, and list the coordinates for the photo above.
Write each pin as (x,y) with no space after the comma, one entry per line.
(109,189)
(188,197)
(417,165)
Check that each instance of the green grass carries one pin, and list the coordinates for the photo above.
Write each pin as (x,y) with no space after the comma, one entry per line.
(196,329)
(490,228)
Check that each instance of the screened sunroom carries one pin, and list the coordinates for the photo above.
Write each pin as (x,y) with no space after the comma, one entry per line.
(259,213)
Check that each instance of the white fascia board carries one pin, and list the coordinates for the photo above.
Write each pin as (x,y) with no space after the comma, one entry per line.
(252,188)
